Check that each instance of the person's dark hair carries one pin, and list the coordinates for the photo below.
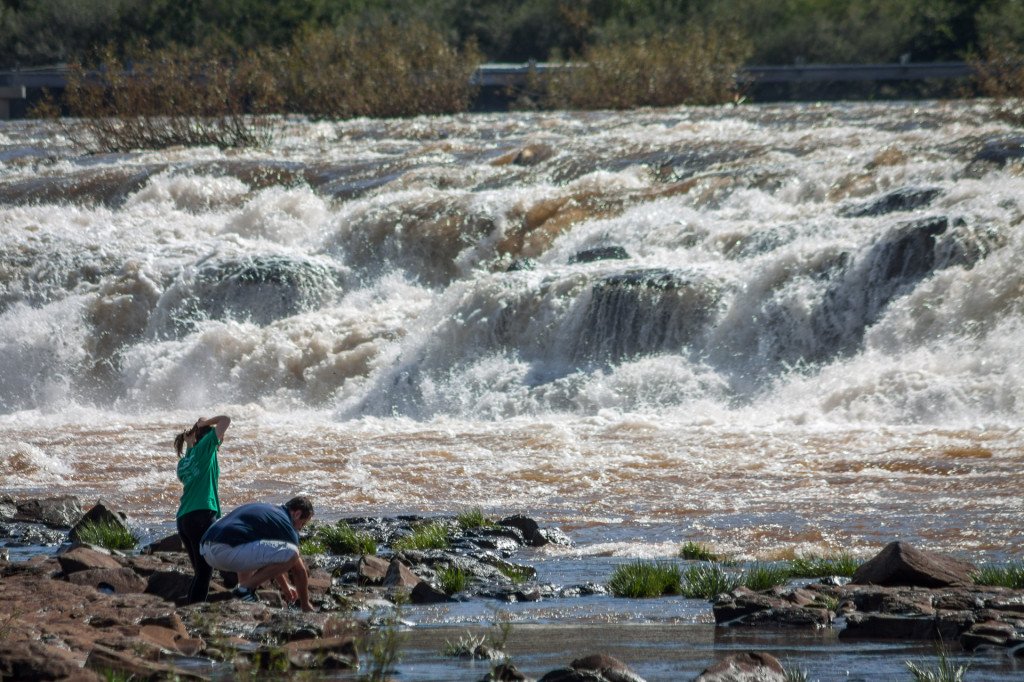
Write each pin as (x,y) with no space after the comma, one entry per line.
(179,440)
(302,503)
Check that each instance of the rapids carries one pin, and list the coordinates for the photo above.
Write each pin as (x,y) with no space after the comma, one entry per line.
(772,329)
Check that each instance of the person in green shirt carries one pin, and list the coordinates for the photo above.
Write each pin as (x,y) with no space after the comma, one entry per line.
(199,473)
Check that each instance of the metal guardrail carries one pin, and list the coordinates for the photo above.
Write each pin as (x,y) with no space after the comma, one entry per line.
(505,76)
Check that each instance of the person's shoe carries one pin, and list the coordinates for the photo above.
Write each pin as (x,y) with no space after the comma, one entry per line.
(244,594)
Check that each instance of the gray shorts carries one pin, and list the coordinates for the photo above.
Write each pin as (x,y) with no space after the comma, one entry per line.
(248,557)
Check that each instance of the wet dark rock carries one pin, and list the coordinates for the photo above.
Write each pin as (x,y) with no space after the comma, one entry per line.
(8,508)
(593,668)
(903,199)
(260,288)
(1001,151)
(170,585)
(20,534)
(584,590)
(58,512)
(859,294)
(107,660)
(505,672)
(746,667)
(743,607)
(946,626)
(101,512)
(521,264)
(528,527)
(902,564)
(644,311)
(990,633)
(425,593)
(599,253)
(555,536)
(171,543)
(329,653)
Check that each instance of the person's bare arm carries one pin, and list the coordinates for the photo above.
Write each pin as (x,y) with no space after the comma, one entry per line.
(287,591)
(301,578)
(220,424)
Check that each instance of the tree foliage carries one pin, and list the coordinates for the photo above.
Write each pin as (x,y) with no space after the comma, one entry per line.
(36,32)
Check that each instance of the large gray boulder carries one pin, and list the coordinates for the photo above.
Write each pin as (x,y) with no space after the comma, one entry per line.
(747,667)
(902,564)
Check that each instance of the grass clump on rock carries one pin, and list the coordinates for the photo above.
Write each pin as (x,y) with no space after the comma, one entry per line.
(765,576)
(643,579)
(1010,575)
(474,518)
(452,579)
(705,581)
(695,551)
(107,534)
(431,536)
(814,566)
(340,538)
(945,670)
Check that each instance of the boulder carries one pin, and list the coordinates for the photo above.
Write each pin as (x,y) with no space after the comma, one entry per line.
(505,672)
(610,667)
(101,512)
(425,593)
(110,580)
(84,559)
(58,512)
(903,199)
(400,575)
(372,570)
(171,543)
(528,527)
(170,585)
(599,253)
(947,626)
(747,667)
(901,564)
(327,653)
(991,633)
(33,660)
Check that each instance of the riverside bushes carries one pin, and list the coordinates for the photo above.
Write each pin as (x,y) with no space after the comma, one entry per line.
(163,98)
(695,66)
(999,74)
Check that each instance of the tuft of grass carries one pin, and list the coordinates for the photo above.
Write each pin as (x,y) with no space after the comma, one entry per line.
(644,579)
(793,675)
(452,579)
(765,576)
(431,536)
(826,601)
(516,573)
(705,581)
(944,671)
(474,518)
(340,538)
(464,647)
(815,566)
(107,534)
(1011,575)
(311,546)
(695,551)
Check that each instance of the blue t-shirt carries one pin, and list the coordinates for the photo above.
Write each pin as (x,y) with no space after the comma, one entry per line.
(252,522)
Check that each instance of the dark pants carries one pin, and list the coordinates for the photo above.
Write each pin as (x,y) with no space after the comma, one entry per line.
(191,527)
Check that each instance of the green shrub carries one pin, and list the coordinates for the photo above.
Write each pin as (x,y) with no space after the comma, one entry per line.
(705,581)
(452,579)
(697,552)
(765,576)
(1011,575)
(474,518)
(431,536)
(690,66)
(340,538)
(814,566)
(643,579)
(107,534)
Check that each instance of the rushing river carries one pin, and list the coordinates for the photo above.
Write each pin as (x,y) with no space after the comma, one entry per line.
(770,329)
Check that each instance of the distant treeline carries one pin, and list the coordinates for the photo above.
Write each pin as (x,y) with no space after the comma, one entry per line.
(37,32)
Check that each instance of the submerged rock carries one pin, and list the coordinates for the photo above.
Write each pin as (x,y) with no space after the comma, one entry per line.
(903,199)
(599,253)
(746,667)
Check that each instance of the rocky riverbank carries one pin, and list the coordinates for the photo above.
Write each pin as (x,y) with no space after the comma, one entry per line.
(80,612)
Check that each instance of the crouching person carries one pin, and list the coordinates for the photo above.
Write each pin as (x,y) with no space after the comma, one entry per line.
(260,542)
